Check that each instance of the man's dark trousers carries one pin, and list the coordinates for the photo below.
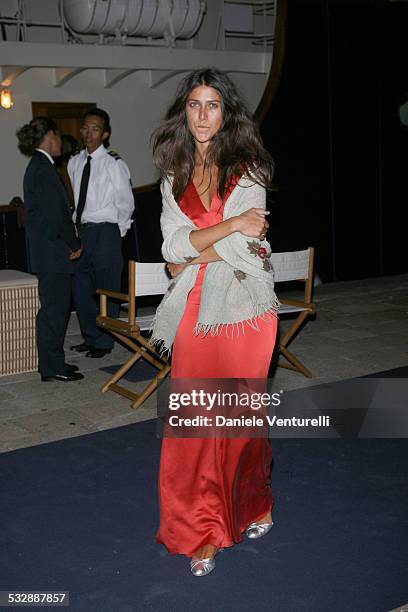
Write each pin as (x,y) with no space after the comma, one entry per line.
(100,266)
(54,291)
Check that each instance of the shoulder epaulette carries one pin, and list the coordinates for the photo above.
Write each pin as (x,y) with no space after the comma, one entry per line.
(114,154)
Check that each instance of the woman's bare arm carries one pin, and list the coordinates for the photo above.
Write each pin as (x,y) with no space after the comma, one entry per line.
(251,223)
(209,255)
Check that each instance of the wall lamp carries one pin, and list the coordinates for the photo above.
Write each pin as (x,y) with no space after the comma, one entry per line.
(6,100)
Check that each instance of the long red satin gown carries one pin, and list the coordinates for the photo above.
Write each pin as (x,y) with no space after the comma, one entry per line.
(210,489)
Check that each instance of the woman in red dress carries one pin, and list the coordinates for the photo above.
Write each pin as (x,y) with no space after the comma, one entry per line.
(212,490)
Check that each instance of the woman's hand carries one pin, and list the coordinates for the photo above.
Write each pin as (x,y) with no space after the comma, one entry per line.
(175,269)
(252,223)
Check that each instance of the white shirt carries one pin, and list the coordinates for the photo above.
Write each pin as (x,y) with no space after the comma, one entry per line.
(46,155)
(109,197)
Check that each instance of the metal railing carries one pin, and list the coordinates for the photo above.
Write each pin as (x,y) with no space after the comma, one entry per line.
(260,8)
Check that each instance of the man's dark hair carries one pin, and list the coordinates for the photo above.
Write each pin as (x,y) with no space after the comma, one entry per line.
(99,112)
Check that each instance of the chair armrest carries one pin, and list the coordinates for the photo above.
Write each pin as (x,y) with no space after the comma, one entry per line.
(309,305)
(113,294)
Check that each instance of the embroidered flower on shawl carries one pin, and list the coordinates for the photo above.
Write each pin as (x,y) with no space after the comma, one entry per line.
(253,247)
(239,275)
(267,266)
(262,252)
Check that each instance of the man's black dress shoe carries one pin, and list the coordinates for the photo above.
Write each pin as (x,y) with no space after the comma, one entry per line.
(68,377)
(81,348)
(70,367)
(96,353)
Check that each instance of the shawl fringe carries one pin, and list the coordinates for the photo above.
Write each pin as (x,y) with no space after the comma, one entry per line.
(160,347)
(215,329)
(262,311)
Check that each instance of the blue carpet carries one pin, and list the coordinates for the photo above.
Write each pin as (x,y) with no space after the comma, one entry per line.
(401,372)
(80,515)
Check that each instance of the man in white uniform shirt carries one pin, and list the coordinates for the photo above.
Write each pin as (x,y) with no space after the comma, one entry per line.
(103,207)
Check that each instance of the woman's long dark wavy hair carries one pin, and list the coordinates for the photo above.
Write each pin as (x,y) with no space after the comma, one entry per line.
(31,135)
(235,149)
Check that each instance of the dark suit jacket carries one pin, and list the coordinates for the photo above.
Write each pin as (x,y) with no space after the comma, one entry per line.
(49,228)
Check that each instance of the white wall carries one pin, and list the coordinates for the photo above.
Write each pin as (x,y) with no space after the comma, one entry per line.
(134,107)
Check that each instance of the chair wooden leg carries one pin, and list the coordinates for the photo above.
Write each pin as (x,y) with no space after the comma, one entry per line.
(287,337)
(145,350)
(151,387)
(124,392)
(295,363)
(142,349)
(121,372)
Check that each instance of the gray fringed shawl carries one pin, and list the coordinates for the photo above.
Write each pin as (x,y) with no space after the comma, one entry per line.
(235,291)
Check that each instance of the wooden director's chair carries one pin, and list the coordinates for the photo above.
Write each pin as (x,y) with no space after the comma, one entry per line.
(294,266)
(144,279)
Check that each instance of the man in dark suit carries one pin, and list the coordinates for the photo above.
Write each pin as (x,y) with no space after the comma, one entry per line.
(53,245)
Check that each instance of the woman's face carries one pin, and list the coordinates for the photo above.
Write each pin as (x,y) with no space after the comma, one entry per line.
(204,113)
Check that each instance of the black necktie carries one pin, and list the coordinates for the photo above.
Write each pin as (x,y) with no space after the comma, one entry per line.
(83,190)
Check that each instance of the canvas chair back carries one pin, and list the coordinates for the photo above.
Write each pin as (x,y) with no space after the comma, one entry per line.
(294,266)
(150,279)
(144,279)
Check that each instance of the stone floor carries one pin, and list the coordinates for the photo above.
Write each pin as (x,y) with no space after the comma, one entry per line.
(361,327)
